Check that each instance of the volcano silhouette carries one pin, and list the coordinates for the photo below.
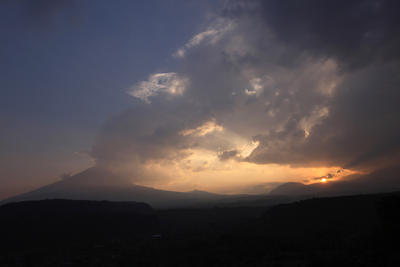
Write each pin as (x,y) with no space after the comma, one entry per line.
(98,184)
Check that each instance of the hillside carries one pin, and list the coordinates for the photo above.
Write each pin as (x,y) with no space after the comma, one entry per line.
(95,184)
(360,230)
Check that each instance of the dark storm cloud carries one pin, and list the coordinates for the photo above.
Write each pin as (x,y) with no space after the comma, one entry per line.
(362,36)
(142,132)
(355,32)
(315,83)
(146,133)
(360,131)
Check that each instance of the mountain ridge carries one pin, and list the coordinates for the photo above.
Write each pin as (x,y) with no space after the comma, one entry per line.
(93,184)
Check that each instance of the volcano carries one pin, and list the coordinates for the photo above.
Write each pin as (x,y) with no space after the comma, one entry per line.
(98,184)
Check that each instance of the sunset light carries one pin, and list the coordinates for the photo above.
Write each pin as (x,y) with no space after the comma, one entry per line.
(199,132)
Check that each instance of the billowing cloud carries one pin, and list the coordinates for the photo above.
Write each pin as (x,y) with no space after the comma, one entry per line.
(229,154)
(204,129)
(159,83)
(279,85)
(210,36)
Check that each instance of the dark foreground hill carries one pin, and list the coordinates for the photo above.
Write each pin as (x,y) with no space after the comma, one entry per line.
(57,221)
(342,231)
(361,230)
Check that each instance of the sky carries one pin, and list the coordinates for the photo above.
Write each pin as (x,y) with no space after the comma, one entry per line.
(226,96)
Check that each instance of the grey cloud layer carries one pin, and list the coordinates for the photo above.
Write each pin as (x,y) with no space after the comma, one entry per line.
(361,36)
(313,82)
(355,32)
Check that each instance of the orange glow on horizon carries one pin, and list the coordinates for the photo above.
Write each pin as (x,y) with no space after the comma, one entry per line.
(203,170)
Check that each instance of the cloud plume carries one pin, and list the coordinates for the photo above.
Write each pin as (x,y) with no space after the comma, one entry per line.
(293,83)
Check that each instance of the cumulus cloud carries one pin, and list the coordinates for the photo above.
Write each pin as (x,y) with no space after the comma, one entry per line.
(204,129)
(229,154)
(210,36)
(270,82)
(256,87)
(158,83)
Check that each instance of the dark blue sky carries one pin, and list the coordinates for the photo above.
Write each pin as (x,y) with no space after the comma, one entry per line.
(66,65)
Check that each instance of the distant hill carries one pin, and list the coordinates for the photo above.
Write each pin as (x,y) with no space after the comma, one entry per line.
(291,189)
(380,181)
(98,184)
(95,184)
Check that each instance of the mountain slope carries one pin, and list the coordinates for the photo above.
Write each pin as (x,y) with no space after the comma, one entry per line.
(95,184)
(380,181)
(291,189)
